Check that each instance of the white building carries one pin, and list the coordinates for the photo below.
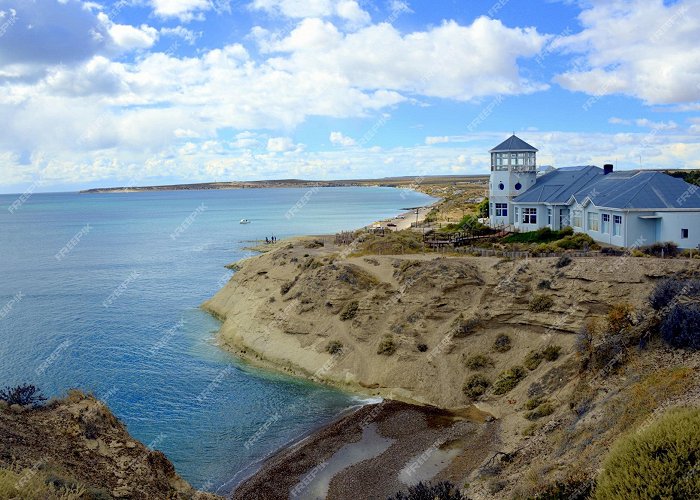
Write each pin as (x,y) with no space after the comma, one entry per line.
(629,209)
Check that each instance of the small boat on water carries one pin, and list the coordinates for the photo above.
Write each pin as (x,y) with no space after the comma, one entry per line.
(245,221)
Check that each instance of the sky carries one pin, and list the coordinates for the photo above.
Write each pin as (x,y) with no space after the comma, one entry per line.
(145,92)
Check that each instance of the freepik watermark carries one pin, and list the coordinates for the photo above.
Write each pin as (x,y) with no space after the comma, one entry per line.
(308,479)
(72,243)
(303,201)
(52,357)
(189,220)
(120,289)
(167,337)
(214,384)
(10,304)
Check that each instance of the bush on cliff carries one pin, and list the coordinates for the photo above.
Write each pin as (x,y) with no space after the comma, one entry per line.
(508,379)
(476,386)
(681,326)
(426,491)
(23,395)
(660,461)
(541,303)
(387,346)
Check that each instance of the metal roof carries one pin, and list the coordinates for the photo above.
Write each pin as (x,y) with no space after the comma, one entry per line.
(560,185)
(641,190)
(631,189)
(513,143)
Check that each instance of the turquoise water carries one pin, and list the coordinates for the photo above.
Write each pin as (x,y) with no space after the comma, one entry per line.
(101,292)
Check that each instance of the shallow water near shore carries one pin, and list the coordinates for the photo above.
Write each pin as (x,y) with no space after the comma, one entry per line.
(102,292)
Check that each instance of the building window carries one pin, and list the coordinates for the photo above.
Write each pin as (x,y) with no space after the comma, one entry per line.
(577,219)
(684,233)
(549,216)
(593,221)
(605,224)
(501,210)
(617,225)
(517,214)
(501,186)
(529,216)
(518,186)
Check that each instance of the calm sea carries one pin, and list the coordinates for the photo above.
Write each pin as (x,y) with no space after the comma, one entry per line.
(102,292)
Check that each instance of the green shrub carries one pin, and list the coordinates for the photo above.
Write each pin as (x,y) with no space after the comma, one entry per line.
(478,361)
(533,360)
(349,310)
(660,461)
(566,231)
(533,403)
(476,386)
(544,285)
(334,347)
(541,303)
(502,343)
(540,411)
(422,347)
(551,352)
(508,379)
(577,241)
(387,346)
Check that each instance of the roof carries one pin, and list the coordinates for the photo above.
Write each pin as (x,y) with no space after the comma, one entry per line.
(513,143)
(560,185)
(641,190)
(631,189)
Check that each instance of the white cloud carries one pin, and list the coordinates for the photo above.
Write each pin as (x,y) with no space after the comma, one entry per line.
(448,61)
(185,10)
(339,139)
(187,35)
(280,144)
(642,48)
(129,37)
(430,140)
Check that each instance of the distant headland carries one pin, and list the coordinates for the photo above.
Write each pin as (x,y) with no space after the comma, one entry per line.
(404,181)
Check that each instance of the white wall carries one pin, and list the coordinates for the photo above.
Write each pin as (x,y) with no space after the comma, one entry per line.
(671,224)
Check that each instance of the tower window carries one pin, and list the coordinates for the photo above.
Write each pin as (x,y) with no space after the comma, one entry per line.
(684,233)
(518,186)
(501,186)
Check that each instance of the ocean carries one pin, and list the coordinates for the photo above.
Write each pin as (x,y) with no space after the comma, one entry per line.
(102,291)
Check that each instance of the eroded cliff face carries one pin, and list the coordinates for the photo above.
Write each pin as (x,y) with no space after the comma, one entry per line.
(76,444)
(404,326)
(459,331)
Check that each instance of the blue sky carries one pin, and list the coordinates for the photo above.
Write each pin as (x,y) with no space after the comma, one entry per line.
(134,92)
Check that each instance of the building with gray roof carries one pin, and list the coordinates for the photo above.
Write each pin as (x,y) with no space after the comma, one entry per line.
(628,208)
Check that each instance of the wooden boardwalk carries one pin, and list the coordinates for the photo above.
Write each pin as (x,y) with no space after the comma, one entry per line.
(460,239)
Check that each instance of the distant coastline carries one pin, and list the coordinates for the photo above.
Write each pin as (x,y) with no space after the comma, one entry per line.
(403,181)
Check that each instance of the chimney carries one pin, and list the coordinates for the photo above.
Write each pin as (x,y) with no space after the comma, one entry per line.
(607,168)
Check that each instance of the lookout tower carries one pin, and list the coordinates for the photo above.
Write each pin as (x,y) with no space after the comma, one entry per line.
(513,171)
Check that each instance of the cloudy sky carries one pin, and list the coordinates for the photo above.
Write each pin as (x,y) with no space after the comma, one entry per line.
(132,92)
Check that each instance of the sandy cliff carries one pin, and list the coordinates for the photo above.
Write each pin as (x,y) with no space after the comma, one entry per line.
(76,448)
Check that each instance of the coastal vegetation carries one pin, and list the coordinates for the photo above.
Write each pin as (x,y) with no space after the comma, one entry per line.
(660,461)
